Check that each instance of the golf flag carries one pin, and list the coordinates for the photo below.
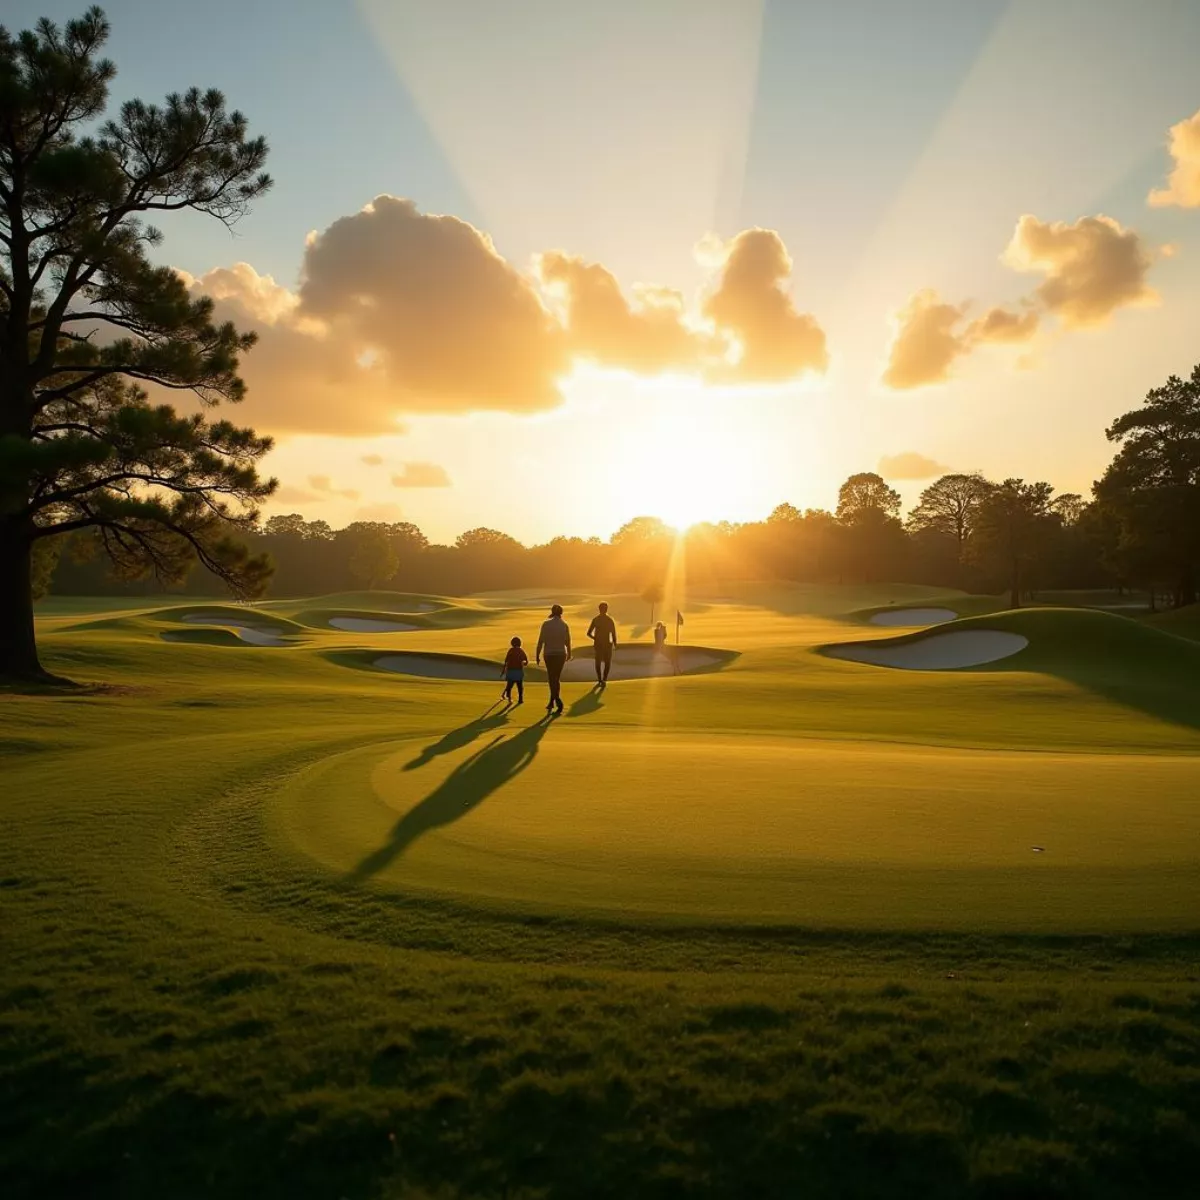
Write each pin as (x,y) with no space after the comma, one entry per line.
(678,622)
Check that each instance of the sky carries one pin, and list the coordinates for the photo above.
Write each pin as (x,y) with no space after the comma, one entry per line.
(545,266)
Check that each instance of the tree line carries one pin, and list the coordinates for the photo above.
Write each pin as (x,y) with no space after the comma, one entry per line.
(1139,529)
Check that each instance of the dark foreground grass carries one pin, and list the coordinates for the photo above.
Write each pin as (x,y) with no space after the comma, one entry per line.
(186,1010)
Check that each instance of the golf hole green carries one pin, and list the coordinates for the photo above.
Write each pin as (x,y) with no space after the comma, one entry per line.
(556,817)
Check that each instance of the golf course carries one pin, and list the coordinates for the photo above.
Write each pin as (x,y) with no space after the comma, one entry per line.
(294,904)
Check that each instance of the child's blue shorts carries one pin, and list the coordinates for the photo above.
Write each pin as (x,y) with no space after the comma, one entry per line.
(517,676)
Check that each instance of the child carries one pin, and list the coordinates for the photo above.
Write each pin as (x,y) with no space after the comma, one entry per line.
(514,671)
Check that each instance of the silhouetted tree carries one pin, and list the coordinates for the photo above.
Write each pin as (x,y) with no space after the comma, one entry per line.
(948,509)
(866,493)
(871,538)
(373,558)
(83,312)
(1152,487)
(1013,524)
(653,596)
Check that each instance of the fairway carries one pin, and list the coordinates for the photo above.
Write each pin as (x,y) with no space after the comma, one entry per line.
(276,876)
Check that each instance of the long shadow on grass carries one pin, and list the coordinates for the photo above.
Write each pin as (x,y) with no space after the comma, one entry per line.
(469,784)
(590,702)
(464,735)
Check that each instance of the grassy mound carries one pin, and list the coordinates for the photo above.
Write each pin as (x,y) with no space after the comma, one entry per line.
(1182,622)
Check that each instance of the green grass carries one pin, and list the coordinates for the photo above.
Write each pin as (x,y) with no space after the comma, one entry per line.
(277,927)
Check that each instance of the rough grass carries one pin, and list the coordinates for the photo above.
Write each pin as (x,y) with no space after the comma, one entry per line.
(191,1006)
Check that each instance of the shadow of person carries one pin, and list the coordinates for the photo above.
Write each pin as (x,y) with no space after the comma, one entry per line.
(464,735)
(588,703)
(469,784)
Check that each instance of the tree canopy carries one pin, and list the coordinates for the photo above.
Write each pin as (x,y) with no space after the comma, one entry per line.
(88,321)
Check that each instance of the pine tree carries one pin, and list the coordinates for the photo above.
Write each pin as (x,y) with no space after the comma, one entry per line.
(86,319)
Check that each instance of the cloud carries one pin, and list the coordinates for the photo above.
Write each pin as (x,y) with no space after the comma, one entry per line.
(925,343)
(324,485)
(421,475)
(451,325)
(1092,267)
(299,378)
(1002,324)
(910,465)
(751,302)
(648,336)
(1183,183)
(372,460)
(287,494)
(399,311)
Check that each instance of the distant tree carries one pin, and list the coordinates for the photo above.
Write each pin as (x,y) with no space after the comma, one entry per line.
(83,312)
(653,596)
(865,495)
(785,514)
(950,506)
(45,560)
(642,529)
(486,539)
(1152,486)
(286,525)
(373,557)
(1068,508)
(1014,523)
(870,538)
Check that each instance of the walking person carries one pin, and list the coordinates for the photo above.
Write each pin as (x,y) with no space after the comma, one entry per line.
(554,642)
(603,632)
(514,671)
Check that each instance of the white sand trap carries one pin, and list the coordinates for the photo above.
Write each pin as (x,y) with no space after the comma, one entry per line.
(639,662)
(430,666)
(938,652)
(914,616)
(370,625)
(247,632)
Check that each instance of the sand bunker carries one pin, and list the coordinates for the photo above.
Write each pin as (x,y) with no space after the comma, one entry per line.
(938,652)
(641,662)
(370,625)
(914,616)
(633,662)
(254,634)
(433,666)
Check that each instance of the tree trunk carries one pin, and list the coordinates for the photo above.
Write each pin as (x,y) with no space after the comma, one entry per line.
(1014,588)
(18,646)
(1187,588)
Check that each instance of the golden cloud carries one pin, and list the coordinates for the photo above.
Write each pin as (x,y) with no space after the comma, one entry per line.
(925,343)
(401,311)
(287,494)
(647,336)
(1183,183)
(1092,267)
(300,379)
(751,302)
(1002,324)
(452,325)
(910,465)
(324,485)
(421,475)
